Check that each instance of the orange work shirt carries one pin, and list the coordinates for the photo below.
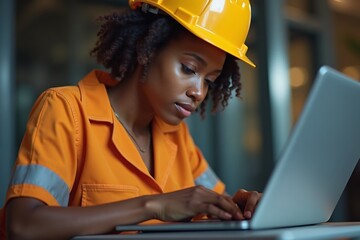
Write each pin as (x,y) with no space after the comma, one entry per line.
(75,152)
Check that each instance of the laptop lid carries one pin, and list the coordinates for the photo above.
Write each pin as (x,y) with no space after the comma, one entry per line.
(313,169)
(319,157)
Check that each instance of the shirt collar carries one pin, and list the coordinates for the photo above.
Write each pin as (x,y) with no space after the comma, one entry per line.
(94,96)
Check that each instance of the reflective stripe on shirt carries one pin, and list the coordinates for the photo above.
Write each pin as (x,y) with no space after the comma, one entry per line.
(208,179)
(42,177)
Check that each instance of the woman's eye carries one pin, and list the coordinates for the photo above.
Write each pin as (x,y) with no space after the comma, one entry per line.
(187,70)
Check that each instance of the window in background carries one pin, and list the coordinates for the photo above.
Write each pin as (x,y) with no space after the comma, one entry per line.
(346,15)
(53,41)
(302,19)
(301,67)
(301,6)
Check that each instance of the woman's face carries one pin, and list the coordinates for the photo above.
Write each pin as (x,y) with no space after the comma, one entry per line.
(180,75)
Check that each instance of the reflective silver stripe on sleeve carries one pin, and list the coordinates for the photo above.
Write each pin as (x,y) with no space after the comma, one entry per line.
(208,179)
(42,177)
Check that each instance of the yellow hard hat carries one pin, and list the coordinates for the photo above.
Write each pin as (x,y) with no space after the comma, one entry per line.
(223,23)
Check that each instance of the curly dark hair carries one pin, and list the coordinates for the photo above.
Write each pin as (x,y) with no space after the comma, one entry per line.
(133,37)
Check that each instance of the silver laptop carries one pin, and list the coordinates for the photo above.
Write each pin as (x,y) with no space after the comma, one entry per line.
(314,167)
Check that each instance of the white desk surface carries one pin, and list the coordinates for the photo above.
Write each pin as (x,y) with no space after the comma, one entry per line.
(338,230)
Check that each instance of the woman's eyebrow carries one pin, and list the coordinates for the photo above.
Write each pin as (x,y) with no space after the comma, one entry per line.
(200,59)
(197,57)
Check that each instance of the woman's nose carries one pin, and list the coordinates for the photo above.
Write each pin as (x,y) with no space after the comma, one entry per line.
(196,90)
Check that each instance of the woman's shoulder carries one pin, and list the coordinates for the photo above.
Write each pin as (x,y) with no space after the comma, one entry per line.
(77,91)
(67,95)
(65,91)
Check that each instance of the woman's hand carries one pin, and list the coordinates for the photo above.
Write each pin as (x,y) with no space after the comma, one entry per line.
(184,204)
(247,202)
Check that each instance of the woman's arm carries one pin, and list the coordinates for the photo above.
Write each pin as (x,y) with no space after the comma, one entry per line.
(28,218)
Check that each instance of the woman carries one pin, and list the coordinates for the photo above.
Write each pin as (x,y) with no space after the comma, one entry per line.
(114,150)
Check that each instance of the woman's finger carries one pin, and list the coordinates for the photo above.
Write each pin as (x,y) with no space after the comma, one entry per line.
(241,197)
(252,201)
(223,202)
(215,211)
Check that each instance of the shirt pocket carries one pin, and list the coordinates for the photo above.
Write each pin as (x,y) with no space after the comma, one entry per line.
(95,194)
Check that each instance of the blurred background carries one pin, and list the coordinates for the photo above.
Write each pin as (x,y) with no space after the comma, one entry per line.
(47,43)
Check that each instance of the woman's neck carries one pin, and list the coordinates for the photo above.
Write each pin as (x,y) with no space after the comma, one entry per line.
(129,104)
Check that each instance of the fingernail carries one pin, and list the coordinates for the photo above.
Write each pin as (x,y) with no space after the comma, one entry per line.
(247,214)
(228,215)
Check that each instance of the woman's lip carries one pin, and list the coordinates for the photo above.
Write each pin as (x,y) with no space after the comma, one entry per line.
(187,106)
(184,109)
